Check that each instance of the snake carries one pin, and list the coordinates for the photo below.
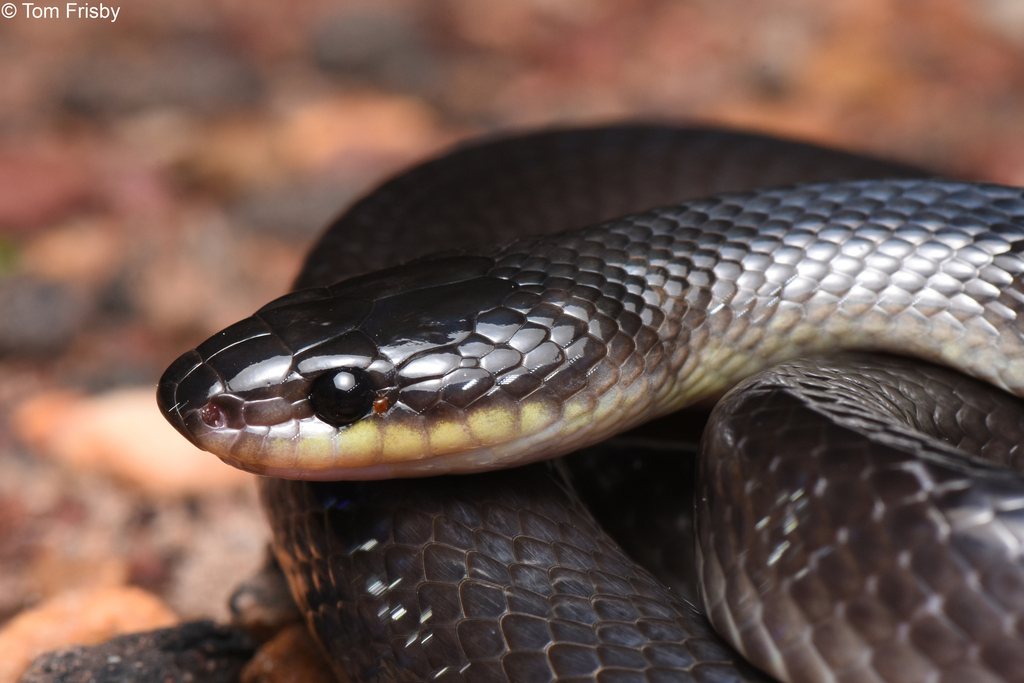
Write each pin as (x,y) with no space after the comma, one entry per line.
(859,517)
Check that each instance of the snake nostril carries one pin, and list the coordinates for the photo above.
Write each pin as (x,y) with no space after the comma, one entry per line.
(213,416)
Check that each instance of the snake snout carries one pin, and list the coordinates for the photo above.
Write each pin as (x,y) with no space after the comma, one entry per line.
(184,391)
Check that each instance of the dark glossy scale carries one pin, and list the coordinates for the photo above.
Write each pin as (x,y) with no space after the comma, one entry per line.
(639,488)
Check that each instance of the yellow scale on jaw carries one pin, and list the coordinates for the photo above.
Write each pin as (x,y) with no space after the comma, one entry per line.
(363,443)
(315,452)
(481,427)
(449,436)
(403,442)
(377,440)
(536,415)
(492,425)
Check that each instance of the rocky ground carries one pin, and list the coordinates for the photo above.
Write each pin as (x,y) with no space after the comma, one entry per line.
(161,176)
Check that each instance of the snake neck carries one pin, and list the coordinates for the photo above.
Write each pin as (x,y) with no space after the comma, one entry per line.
(687,301)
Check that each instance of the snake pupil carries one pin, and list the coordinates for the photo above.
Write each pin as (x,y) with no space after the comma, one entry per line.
(342,397)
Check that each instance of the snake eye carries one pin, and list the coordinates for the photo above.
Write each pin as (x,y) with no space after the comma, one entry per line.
(342,396)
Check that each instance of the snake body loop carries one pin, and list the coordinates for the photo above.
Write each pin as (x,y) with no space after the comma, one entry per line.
(863,518)
(481,358)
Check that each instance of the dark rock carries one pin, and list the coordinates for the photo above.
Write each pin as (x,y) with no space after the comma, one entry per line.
(378,48)
(196,74)
(39,317)
(263,604)
(295,211)
(196,652)
(292,655)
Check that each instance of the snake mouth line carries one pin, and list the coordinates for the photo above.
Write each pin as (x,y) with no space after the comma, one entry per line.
(483,437)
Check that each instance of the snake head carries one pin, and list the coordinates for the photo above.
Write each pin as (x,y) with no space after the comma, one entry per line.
(441,365)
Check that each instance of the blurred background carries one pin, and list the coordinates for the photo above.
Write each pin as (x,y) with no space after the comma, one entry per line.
(162,174)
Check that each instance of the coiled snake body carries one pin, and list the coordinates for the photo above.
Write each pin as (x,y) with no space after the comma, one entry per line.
(842,537)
